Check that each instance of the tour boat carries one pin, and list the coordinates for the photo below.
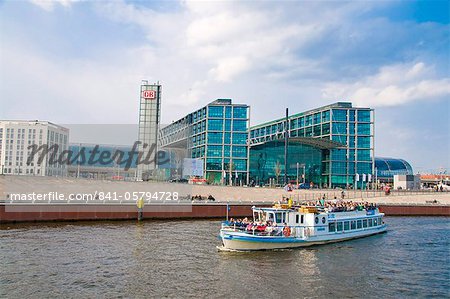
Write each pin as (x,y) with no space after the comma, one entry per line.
(293,227)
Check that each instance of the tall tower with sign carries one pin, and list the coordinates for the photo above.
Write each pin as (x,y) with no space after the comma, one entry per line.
(149,118)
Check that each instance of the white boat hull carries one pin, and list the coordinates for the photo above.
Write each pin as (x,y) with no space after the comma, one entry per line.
(241,241)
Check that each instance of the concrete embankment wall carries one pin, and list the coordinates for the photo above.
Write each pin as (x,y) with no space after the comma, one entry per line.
(32,213)
(240,200)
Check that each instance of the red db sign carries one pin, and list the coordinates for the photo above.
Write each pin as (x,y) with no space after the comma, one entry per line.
(149,94)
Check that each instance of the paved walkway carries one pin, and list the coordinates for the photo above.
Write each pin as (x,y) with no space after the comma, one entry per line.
(27,184)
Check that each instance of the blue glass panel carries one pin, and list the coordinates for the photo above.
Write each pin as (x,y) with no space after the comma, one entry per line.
(339,115)
(214,163)
(364,142)
(228,111)
(339,154)
(215,111)
(239,138)
(339,128)
(240,125)
(226,151)
(316,130)
(215,124)
(364,129)
(227,139)
(364,168)
(364,155)
(301,122)
(340,138)
(215,137)
(240,151)
(240,112)
(214,151)
(339,167)
(351,128)
(352,115)
(326,129)
(308,132)
(317,118)
(325,116)
(308,120)
(363,116)
(240,165)
(228,125)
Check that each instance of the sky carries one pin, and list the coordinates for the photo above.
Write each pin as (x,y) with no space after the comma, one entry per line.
(81,62)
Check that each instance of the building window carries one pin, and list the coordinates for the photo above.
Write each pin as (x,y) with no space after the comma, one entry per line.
(239,125)
(339,115)
(215,137)
(363,116)
(215,111)
(240,112)
(214,151)
(239,151)
(239,138)
(215,125)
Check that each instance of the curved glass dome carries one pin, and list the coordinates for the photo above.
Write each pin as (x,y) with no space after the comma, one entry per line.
(388,167)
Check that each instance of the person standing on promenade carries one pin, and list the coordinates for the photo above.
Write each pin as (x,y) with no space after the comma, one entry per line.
(140,206)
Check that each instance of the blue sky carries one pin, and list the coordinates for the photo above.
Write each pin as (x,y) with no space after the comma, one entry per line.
(82,61)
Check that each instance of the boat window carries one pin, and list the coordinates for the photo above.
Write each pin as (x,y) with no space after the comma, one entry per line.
(317,220)
(270,217)
(297,218)
(380,222)
(324,220)
(370,222)
(353,224)
(346,225)
(279,217)
(302,218)
(359,223)
(364,222)
(339,226)
(332,227)
(375,221)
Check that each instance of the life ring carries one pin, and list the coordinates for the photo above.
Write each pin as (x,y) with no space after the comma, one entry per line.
(286,231)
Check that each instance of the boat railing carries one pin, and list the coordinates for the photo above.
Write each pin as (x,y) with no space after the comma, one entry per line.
(303,231)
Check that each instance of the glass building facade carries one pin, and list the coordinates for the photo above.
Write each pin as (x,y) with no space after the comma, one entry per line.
(344,135)
(267,162)
(217,134)
(386,168)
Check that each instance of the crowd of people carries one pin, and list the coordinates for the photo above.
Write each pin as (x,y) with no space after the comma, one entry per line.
(268,227)
(199,197)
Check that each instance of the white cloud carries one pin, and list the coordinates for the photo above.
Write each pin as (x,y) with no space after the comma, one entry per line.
(49,5)
(393,85)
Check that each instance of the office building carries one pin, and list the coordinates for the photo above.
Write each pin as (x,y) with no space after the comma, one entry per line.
(217,135)
(331,146)
(16,141)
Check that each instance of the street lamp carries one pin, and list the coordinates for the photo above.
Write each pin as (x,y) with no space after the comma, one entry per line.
(303,166)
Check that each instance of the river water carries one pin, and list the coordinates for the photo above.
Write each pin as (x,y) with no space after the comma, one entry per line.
(179,259)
